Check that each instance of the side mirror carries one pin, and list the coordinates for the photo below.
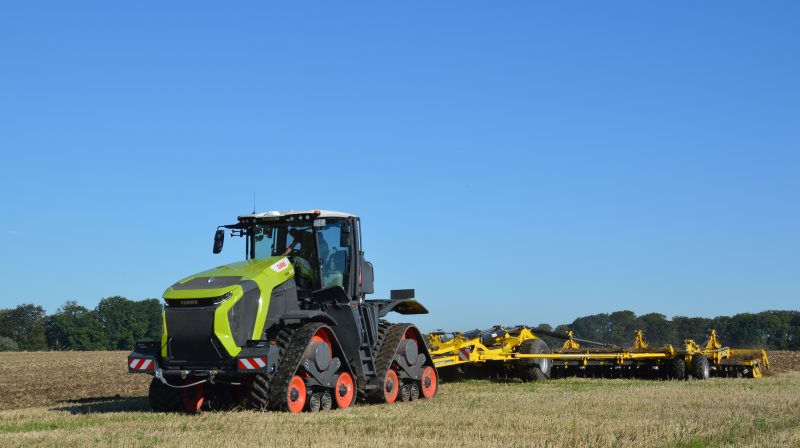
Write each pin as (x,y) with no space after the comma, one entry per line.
(219,239)
(367,277)
(344,237)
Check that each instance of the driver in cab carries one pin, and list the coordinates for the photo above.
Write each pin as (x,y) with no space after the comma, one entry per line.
(302,256)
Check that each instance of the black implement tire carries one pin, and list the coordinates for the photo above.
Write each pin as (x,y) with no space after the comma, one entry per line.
(164,398)
(677,371)
(534,369)
(700,368)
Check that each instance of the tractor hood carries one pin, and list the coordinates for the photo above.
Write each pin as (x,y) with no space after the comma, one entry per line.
(226,305)
(221,280)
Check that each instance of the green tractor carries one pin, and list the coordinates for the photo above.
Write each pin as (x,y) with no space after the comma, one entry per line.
(288,328)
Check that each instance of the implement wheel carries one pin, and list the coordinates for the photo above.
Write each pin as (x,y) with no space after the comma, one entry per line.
(677,370)
(534,369)
(700,369)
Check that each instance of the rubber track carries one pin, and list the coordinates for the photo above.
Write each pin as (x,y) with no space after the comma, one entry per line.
(289,364)
(259,392)
(383,329)
(385,357)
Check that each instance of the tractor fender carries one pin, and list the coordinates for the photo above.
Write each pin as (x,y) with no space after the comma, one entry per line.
(403,306)
(422,343)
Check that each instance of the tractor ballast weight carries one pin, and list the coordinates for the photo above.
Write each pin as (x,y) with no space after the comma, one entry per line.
(288,328)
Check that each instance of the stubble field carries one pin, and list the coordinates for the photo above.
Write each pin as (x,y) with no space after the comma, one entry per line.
(89,399)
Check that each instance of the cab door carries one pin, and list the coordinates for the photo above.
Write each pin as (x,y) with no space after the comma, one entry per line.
(334,241)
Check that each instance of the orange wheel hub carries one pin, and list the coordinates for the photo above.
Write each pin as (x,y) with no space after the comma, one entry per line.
(429,383)
(391,386)
(344,391)
(296,395)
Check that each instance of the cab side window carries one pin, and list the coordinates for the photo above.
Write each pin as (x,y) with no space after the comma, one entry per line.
(335,257)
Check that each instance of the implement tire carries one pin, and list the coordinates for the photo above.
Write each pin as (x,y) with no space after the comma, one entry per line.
(677,370)
(164,398)
(700,368)
(534,369)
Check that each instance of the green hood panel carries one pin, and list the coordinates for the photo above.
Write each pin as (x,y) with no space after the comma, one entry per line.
(232,280)
(266,272)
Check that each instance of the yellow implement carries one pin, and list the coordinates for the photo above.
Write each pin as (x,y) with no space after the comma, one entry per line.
(520,352)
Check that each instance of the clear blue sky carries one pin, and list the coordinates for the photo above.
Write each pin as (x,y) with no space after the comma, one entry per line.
(515,162)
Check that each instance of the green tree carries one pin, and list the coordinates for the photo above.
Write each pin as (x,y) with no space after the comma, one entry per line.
(794,332)
(745,331)
(623,326)
(773,330)
(74,327)
(696,328)
(117,316)
(8,345)
(149,310)
(657,329)
(25,326)
(124,321)
(596,327)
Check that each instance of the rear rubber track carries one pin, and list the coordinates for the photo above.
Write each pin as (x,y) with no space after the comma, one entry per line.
(386,354)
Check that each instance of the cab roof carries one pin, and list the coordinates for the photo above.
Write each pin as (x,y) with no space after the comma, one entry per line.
(284,213)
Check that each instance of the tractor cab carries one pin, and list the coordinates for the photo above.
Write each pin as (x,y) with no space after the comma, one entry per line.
(323,246)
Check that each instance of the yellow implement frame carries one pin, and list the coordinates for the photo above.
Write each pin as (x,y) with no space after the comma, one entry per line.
(500,345)
(752,361)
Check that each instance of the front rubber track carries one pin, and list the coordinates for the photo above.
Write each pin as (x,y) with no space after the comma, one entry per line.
(258,393)
(164,398)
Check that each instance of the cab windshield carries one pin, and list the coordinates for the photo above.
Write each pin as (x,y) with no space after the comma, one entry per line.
(321,254)
(276,239)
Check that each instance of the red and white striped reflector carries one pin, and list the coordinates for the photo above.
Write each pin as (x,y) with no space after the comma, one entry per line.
(252,363)
(142,364)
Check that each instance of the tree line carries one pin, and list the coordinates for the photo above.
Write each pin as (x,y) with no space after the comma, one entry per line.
(773,330)
(116,323)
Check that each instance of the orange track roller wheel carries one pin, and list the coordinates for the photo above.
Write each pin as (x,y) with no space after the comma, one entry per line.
(429,383)
(391,386)
(296,395)
(344,391)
